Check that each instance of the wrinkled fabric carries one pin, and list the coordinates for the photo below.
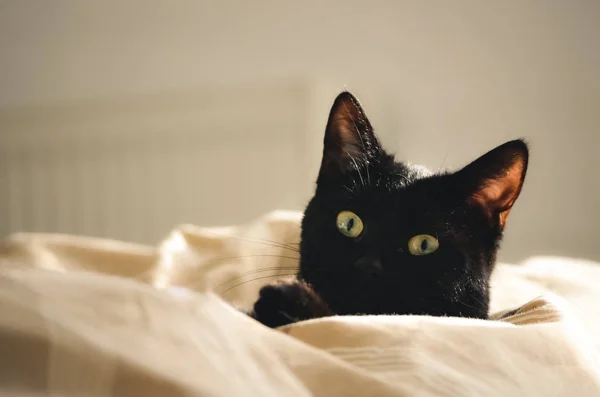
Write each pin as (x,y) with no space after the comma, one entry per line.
(81,316)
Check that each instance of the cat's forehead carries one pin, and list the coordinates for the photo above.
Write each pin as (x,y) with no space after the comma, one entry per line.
(401,176)
(403,190)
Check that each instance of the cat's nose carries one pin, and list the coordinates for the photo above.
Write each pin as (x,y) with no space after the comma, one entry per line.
(370,266)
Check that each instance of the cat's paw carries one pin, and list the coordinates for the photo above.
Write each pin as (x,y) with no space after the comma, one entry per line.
(286,302)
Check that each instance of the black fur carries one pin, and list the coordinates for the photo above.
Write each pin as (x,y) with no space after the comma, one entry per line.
(466,211)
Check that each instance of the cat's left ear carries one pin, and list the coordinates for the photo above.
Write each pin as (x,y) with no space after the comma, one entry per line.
(494,180)
(349,143)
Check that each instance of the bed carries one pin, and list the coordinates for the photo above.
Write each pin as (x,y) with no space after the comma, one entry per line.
(83,316)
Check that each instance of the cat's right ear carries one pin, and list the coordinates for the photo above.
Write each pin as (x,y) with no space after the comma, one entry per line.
(494,180)
(349,142)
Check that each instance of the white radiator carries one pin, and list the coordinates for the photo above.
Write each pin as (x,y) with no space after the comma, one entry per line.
(134,168)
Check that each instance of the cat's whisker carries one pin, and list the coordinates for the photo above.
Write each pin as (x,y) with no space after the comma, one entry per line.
(201,275)
(254,279)
(198,284)
(258,240)
(146,276)
(469,306)
(251,272)
(288,244)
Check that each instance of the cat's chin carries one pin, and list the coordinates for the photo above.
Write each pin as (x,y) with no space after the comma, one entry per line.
(434,307)
(432,312)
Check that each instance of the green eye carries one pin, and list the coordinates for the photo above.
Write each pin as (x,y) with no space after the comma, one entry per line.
(423,244)
(349,224)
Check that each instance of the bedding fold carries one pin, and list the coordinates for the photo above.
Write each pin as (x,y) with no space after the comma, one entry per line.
(82,316)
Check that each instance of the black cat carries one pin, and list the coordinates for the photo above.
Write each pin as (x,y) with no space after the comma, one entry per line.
(384,237)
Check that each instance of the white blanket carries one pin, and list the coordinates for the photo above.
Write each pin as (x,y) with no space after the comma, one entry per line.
(89,317)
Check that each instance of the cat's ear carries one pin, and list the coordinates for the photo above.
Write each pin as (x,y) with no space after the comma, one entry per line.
(349,140)
(494,180)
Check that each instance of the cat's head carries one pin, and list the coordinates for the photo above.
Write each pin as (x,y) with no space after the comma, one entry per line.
(382,237)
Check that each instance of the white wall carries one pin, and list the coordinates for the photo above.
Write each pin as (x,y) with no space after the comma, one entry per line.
(460,77)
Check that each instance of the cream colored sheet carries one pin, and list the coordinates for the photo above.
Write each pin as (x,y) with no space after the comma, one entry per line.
(90,317)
